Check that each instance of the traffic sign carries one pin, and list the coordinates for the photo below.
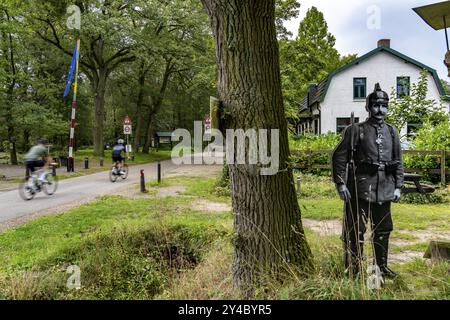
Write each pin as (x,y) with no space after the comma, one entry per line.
(127,121)
(127,129)
(207,122)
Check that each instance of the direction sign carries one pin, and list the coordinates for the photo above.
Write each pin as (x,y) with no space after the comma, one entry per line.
(127,129)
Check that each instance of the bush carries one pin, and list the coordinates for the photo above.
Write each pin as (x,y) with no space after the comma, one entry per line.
(313,142)
(223,187)
(430,137)
(429,198)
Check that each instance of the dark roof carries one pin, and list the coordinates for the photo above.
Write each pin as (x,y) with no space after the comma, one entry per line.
(314,93)
(325,83)
(164,133)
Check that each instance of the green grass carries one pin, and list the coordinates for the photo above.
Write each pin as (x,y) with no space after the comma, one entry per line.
(405,216)
(162,248)
(195,186)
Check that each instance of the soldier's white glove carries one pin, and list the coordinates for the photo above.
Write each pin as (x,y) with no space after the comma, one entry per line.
(343,192)
(397,195)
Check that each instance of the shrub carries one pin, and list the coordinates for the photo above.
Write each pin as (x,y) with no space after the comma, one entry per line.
(430,137)
(222,188)
(313,142)
(429,198)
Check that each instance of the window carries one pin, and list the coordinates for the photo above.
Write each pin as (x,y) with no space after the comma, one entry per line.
(359,88)
(342,123)
(402,87)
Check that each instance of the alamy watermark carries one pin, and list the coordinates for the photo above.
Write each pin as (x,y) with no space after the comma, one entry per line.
(251,146)
(74,280)
(373,21)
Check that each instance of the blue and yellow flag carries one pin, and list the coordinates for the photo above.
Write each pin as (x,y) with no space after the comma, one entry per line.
(73,64)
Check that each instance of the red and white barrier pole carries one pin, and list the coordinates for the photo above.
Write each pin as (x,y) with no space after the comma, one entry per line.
(70,162)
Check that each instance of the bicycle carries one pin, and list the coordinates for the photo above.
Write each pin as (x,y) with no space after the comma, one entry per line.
(115,173)
(31,185)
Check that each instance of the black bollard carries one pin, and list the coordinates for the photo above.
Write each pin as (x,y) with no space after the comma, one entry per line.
(101,161)
(86,163)
(70,165)
(159,172)
(54,170)
(143,190)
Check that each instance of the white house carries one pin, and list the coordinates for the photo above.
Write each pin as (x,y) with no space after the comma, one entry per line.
(328,105)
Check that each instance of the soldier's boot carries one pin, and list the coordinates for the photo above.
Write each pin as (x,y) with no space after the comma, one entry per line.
(381,245)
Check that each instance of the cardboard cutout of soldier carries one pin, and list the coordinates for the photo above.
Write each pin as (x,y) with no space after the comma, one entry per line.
(368,172)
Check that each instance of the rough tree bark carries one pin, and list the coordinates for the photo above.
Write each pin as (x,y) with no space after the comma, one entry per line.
(139,105)
(268,232)
(157,104)
(10,95)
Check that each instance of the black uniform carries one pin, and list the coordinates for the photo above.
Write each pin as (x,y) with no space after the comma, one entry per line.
(376,172)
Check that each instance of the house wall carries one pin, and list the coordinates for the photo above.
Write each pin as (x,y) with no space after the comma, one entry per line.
(381,67)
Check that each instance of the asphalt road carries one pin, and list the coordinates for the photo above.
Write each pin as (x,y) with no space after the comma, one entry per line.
(75,190)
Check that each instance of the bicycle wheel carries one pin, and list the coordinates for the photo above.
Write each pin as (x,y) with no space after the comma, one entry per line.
(26,192)
(125,171)
(50,185)
(112,174)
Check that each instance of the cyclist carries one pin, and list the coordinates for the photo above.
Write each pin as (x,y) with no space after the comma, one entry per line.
(117,155)
(38,157)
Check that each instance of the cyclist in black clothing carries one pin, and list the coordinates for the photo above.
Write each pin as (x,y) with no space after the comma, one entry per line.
(117,154)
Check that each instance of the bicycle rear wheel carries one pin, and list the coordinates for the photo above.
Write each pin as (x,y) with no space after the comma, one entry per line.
(50,185)
(113,174)
(125,171)
(26,192)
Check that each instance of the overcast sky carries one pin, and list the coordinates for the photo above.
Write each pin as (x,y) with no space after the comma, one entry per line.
(355,25)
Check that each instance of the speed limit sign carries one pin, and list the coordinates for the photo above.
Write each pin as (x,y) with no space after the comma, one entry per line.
(127,129)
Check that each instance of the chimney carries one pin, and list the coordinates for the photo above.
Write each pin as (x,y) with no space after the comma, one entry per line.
(384,43)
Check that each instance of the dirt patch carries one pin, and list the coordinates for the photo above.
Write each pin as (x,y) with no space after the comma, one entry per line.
(426,235)
(334,227)
(135,193)
(209,206)
(172,191)
(405,256)
(196,170)
(324,227)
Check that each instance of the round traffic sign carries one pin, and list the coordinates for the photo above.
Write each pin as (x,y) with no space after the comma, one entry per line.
(127,121)
(127,129)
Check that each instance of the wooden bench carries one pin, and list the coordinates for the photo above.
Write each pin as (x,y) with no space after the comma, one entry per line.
(411,178)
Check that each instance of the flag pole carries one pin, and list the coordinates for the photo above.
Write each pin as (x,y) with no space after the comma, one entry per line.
(70,163)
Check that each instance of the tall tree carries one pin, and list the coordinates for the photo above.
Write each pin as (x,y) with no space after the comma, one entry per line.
(284,11)
(268,232)
(8,52)
(106,44)
(308,59)
(414,107)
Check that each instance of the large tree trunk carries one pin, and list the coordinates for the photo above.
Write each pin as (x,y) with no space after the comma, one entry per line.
(157,102)
(99,89)
(10,98)
(150,132)
(269,236)
(139,105)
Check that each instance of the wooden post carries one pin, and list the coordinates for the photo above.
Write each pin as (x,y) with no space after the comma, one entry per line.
(309,159)
(443,167)
(214,112)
